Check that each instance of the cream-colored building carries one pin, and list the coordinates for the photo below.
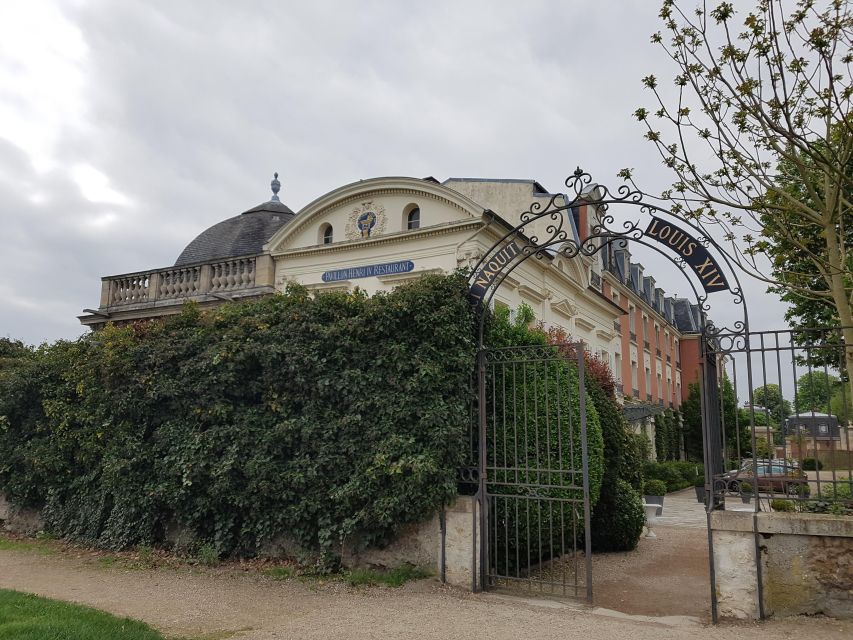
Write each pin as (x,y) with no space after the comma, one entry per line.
(373,234)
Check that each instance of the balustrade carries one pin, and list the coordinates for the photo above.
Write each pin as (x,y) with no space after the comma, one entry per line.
(129,289)
(175,283)
(229,275)
(179,282)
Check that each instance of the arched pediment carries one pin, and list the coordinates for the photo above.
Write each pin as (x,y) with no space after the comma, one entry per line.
(390,197)
(573,268)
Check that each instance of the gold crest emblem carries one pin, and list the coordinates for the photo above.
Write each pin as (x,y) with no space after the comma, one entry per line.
(366,221)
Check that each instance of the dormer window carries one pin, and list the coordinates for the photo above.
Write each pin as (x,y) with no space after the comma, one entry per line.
(326,234)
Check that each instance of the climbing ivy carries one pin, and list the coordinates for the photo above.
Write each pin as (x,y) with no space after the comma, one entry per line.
(322,419)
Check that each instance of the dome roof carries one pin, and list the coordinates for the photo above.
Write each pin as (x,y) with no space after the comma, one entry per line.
(241,235)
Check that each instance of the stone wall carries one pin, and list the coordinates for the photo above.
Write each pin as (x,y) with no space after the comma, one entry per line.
(421,544)
(806,564)
(17,520)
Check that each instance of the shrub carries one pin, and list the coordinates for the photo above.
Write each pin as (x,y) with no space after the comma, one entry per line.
(812,464)
(669,473)
(841,491)
(533,521)
(745,487)
(654,488)
(618,518)
(283,416)
(207,555)
(689,470)
(784,506)
(632,470)
(622,459)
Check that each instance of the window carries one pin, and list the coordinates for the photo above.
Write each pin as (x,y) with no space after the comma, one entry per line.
(413,219)
(326,234)
(633,374)
(631,321)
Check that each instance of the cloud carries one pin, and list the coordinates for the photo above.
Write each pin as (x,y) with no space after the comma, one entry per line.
(128,128)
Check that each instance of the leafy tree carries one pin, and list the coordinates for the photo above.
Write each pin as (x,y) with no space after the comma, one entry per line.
(737,431)
(839,404)
(756,109)
(691,411)
(12,352)
(791,265)
(760,418)
(770,398)
(814,391)
(762,448)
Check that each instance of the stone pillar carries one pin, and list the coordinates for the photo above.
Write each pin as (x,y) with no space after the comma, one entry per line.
(422,544)
(204,278)
(153,286)
(461,547)
(264,271)
(106,290)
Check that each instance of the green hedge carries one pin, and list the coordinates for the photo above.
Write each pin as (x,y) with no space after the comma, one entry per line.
(533,523)
(675,475)
(668,435)
(619,524)
(324,419)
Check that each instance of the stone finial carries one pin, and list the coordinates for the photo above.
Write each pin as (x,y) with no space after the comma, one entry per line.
(275,185)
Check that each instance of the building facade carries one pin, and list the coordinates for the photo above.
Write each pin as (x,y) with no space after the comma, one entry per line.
(376,234)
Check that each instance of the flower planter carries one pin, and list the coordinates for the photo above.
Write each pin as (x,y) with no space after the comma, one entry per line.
(658,500)
(746,498)
(700,493)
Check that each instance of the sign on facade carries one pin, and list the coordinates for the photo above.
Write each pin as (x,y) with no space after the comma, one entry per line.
(484,278)
(368,271)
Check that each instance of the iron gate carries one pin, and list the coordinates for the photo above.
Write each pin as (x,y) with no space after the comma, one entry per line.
(534,478)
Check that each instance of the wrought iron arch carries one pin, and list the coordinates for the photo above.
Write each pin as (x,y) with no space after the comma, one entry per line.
(561,239)
(560,234)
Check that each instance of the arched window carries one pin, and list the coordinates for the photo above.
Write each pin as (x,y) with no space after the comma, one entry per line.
(326,234)
(413,219)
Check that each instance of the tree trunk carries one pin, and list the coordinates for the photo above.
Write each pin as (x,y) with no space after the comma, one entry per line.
(841,300)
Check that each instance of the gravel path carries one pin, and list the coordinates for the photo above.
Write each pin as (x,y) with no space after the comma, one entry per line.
(253,607)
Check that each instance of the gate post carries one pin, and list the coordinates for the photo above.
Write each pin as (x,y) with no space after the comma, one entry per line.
(480,576)
(585,463)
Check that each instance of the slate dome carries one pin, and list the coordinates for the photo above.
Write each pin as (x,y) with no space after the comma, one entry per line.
(241,235)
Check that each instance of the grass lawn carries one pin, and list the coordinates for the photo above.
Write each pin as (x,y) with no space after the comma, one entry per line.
(28,617)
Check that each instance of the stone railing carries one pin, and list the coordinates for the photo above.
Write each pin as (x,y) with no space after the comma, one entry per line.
(178,283)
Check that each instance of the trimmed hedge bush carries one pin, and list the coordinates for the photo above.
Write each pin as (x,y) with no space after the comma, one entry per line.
(676,475)
(812,464)
(618,520)
(326,419)
(531,526)
(654,488)
(623,455)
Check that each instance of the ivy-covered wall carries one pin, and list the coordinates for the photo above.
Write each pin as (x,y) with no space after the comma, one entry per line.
(325,419)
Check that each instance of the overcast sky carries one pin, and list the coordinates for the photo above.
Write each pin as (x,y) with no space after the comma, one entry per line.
(126,128)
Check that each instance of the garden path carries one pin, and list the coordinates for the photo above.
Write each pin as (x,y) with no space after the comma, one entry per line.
(254,607)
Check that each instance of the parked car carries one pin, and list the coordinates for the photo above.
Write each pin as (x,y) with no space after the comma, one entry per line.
(772,476)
